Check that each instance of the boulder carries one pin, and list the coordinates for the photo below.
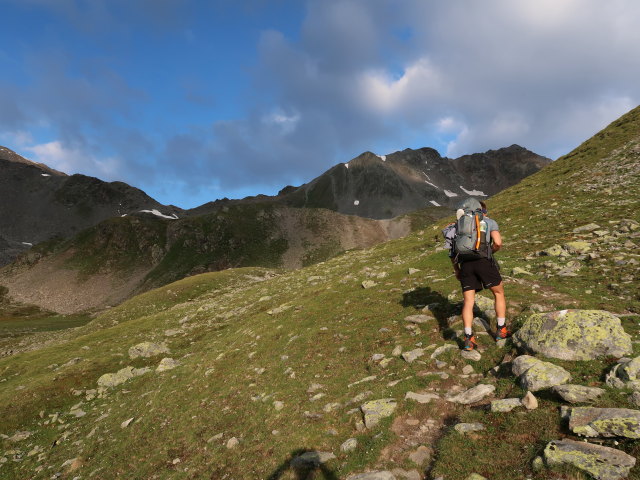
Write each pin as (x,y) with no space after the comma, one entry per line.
(349,445)
(121,376)
(376,410)
(529,401)
(577,393)
(537,375)
(574,335)
(605,422)
(147,349)
(167,364)
(576,248)
(586,228)
(602,463)
(473,395)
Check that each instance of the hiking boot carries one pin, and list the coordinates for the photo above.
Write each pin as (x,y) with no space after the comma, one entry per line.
(502,333)
(469,343)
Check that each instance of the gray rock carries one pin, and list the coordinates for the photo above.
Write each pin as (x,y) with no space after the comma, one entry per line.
(376,410)
(603,463)
(469,427)
(413,355)
(376,357)
(577,393)
(147,349)
(529,401)
(520,271)
(574,335)
(20,436)
(634,399)
(368,284)
(523,363)
(419,319)
(167,364)
(311,459)
(483,303)
(473,355)
(233,442)
(421,397)
(475,476)
(467,370)
(406,474)
(505,404)
(121,376)
(442,349)
(473,395)
(377,475)
(586,228)
(543,375)
(605,422)
(553,251)
(349,445)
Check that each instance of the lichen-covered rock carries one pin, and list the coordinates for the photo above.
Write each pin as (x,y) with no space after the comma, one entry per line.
(577,247)
(625,373)
(605,422)
(543,375)
(147,349)
(121,376)
(167,364)
(553,251)
(537,375)
(413,355)
(574,335)
(603,463)
(376,410)
(505,404)
(473,395)
(484,303)
(578,393)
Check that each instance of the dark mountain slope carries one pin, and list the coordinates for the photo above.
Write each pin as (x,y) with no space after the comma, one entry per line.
(38,203)
(376,186)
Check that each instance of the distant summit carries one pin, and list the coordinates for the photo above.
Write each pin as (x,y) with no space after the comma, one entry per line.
(385,186)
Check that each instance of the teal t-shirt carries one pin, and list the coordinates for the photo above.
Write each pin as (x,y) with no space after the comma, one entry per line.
(489,225)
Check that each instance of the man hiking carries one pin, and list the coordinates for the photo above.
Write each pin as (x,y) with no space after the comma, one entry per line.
(472,241)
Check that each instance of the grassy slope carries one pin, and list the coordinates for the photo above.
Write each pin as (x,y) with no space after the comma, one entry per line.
(326,336)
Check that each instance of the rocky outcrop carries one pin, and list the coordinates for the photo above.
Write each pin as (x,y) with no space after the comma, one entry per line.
(603,463)
(574,335)
(578,393)
(625,373)
(605,422)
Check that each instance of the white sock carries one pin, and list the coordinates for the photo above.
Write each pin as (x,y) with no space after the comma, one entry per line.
(468,331)
(501,321)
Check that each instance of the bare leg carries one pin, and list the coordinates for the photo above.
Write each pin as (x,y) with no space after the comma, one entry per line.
(467,309)
(501,304)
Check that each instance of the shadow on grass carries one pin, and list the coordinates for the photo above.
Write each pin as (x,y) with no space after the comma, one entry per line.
(439,306)
(305,465)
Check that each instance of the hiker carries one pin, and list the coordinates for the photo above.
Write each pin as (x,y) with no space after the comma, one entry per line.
(474,264)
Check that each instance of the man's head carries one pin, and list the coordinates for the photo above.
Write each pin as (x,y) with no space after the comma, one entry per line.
(484,207)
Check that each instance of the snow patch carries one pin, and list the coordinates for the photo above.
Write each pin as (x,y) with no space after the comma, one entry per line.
(45,174)
(472,192)
(436,204)
(382,157)
(346,165)
(28,244)
(428,180)
(356,202)
(158,214)
(123,215)
(450,194)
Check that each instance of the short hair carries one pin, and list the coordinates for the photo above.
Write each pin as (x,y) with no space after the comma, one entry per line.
(484,205)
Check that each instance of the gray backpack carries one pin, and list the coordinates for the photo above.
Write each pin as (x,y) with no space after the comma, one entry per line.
(467,237)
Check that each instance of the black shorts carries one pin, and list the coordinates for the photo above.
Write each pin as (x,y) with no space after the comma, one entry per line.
(479,274)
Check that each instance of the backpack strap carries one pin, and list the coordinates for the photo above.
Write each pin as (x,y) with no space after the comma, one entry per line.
(478,232)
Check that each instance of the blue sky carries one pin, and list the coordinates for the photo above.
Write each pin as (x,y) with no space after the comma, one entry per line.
(197,100)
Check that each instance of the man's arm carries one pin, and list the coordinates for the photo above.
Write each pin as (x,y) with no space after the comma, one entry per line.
(496,241)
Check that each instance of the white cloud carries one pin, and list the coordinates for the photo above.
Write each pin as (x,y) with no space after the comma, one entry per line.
(73,160)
